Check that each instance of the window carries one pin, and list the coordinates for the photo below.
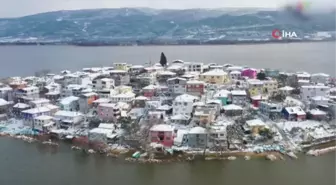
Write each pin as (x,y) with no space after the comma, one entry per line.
(185,103)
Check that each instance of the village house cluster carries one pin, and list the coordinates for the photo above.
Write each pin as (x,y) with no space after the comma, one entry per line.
(185,105)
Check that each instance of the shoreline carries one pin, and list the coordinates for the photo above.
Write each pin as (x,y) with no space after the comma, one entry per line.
(163,44)
(125,154)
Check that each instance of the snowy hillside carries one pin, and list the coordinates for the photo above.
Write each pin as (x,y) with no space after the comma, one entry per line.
(144,24)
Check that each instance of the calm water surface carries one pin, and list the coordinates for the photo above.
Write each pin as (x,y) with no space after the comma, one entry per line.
(310,57)
(32,164)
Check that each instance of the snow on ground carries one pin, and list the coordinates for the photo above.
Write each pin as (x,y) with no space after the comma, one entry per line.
(306,130)
(13,127)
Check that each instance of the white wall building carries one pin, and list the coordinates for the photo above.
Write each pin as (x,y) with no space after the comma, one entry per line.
(303,76)
(319,78)
(271,86)
(199,67)
(6,93)
(70,103)
(39,102)
(235,75)
(67,119)
(71,90)
(43,122)
(238,97)
(309,91)
(177,85)
(183,104)
(29,92)
(123,97)
(103,83)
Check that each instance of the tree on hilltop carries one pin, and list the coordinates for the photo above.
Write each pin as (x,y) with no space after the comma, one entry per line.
(261,76)
(163,60)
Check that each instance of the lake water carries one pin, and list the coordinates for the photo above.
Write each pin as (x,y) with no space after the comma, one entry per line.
(310,57)
(32,164)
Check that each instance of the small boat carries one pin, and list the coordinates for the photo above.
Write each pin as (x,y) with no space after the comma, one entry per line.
(136,155)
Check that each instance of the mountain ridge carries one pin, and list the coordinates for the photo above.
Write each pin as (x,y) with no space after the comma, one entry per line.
(159,25)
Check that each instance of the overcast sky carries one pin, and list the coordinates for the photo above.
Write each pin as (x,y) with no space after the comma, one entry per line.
(16,8)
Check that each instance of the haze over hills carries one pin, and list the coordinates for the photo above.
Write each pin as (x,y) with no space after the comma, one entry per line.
(150,26)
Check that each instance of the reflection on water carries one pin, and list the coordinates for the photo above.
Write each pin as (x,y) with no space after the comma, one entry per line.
(20,162)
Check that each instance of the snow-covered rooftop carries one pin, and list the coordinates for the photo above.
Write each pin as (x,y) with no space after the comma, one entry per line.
(44,117)
(215,72)
(36,110)
(197,130)
(68,113)
(68,100)
(162,128)
(238,93)
(185,98)
(295,110)
(232,107)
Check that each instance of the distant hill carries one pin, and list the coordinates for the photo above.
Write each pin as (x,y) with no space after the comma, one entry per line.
(145,25)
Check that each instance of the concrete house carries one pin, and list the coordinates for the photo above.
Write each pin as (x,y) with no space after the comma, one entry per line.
(162,134)
(294,113)
(307,92)
(270,110)
(183,104)
(86,102)
(223,96)
(239,97)
(319,78)
(255,87)
(176,85)
(68,119)
(235,75)
(195,87)
(216,76)
(108,112)
(249,72)
(29,114)
(70,103)
(197,137)
(103,84)
(120,77)
(6,93)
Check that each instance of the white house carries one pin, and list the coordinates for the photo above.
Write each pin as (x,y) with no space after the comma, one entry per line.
(320,100)
(199,67)
(309,91)
(270,86)
(235,75)
(69,103)
(177,85)
(67,119)
(183,104)
(270,109)
(43,123)
(29,114)
(319,78)
(39,102)
(71,90)
(238,97)
(6,93)
(123,97)
(31,92)
(303,76)
(103,83)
